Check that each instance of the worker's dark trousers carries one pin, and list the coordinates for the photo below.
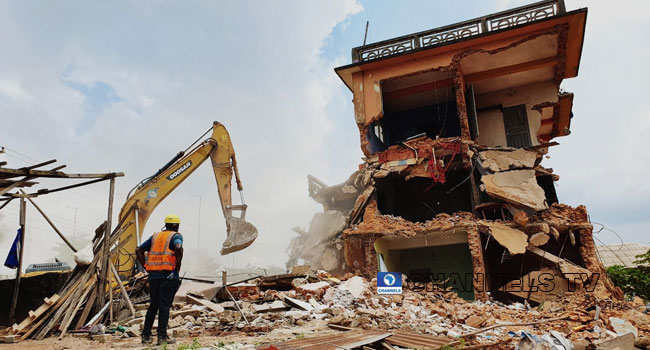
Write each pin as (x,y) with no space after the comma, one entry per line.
(162,293)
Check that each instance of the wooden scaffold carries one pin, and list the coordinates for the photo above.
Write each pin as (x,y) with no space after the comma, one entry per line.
(88,294)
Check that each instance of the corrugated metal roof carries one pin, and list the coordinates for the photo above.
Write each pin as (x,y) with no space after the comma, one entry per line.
(620,254)
(356,338)
(416,341)
(346,340)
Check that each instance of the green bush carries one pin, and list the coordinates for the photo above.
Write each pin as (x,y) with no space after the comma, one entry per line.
(633,280)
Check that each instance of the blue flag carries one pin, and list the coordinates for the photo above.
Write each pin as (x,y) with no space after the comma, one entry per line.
(12,257)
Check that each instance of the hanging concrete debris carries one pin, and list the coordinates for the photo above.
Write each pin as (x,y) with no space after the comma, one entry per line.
(496,161)
(518,187)
(511,238)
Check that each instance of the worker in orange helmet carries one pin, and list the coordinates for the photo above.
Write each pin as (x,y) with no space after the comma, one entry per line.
(163,264)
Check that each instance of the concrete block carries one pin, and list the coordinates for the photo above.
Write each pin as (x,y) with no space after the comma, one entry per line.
(102,338)
(180,332)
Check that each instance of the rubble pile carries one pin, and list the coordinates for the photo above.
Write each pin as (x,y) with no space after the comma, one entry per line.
(351,303)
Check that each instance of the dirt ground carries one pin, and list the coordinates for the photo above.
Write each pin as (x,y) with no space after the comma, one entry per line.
(83,343)
(235,340)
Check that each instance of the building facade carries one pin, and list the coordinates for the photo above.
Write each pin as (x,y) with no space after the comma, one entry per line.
(454,123)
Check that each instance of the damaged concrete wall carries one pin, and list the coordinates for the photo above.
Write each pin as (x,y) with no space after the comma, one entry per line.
(321,246)
(491,127)
(508,181)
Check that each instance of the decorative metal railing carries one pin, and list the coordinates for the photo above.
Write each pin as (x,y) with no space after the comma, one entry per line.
(442,35)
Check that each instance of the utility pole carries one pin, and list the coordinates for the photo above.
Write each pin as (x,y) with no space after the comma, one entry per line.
(198,235)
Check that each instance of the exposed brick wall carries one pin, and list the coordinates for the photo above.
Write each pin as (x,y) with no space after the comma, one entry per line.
(476,251)
(360,254)
(587,250)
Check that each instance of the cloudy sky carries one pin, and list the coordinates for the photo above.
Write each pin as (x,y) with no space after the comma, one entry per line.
(124,85)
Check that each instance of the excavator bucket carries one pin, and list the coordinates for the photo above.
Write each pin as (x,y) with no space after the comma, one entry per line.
(242,234)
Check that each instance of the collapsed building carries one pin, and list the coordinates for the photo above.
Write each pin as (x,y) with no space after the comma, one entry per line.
(454,123)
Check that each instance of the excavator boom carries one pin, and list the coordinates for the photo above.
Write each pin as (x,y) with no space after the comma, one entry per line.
(144,198)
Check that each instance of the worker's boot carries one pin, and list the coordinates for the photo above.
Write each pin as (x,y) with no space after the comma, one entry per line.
(166,340)
(146,339)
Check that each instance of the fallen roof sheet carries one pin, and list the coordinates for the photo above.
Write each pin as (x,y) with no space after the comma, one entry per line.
(346,340)
(416,341)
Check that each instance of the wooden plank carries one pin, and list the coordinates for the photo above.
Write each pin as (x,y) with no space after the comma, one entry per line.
(90,285)
(119,245)
(74,291)
(4,182)
(60,312)
(15,184)
(57,174)
(106,246)
(125,295)
(11,338)
(87,308)
(58,168)
(207,303)
(33,315)
(38,165)
(8,200)
(73,283)
(51,223)
(46,191)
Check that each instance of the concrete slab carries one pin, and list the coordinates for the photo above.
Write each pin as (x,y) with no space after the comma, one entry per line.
(518,187)
(208,290)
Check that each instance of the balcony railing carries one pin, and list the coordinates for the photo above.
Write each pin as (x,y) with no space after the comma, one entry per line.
(450,33)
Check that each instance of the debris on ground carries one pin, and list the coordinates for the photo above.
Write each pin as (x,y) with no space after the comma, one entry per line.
(349,307)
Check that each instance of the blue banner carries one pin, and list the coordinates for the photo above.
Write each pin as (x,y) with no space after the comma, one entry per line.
(12,258)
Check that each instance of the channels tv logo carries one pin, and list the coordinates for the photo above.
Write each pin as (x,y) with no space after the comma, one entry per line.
(389,283)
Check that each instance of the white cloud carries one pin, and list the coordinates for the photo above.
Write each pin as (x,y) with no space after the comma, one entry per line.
(178,68)
(14,91)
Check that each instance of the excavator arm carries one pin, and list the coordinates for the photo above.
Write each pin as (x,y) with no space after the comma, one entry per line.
(145,197)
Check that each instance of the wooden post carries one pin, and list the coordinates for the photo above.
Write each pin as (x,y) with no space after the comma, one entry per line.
(110,293)
(106,245)
(51,223)
(224,283)
(14,299)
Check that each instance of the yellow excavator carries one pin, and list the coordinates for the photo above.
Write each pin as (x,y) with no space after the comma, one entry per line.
(144,197)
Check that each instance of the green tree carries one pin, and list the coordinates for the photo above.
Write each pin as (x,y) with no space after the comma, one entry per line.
(633,280)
